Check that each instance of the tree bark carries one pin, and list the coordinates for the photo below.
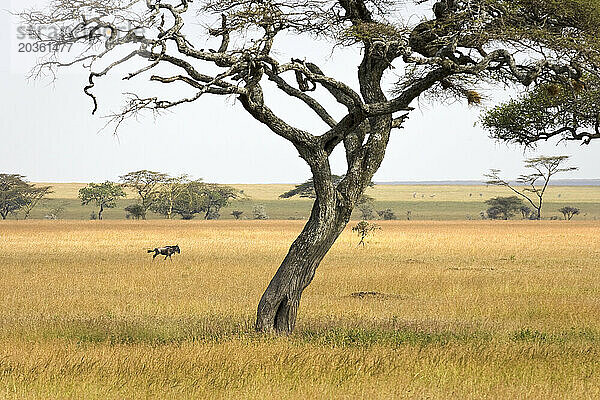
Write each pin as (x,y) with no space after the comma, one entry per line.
(100,212)
(278,306)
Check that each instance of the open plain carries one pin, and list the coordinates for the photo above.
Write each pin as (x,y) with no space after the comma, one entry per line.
(474,309)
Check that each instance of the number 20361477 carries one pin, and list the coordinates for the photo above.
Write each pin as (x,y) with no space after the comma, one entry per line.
(44,47)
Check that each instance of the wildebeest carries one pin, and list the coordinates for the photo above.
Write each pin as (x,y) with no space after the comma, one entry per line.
(166,251)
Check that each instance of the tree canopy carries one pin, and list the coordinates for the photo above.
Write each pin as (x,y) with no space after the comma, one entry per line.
(568,111)
(307,189)
(103,195)
(569,212)
(17,194)
(146,184)
(12,188)
(504,207)
(188,198)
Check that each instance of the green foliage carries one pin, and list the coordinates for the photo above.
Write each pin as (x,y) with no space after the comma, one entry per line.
(135,211)
(146,184)
(103,195)
(12,189)
(17,194)
(33,196)
(504,207)
(387,214)
(217,197)
(569,212)
(565,110)
(188,198)
(364,229)
(307,189)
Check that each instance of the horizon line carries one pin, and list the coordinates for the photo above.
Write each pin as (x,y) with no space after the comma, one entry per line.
(457,182)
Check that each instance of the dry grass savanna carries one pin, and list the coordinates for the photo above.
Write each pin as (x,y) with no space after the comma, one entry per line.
(426,202)
(457,310)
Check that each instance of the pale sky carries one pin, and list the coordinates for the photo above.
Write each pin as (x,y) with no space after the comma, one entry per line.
(48,134)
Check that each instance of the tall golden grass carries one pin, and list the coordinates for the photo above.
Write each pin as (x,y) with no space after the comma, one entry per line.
(459,310)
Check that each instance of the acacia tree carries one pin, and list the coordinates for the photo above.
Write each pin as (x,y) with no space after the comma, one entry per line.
(33,196)
(307,189)
(569,212)
(12,193)
(504,207)
(17,194)
(185,198)
(188,198)
(449,52)
(568,110)
(217,197)
(103,195)
(536,183)
(146,184)
(170,189)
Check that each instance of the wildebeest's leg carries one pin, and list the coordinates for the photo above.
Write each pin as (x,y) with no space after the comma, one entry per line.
(166,256)
(154,256)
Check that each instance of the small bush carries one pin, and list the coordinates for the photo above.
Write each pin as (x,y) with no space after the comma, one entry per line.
(364,229)
(237,214)
(387,214)
(134,211)
(259,212)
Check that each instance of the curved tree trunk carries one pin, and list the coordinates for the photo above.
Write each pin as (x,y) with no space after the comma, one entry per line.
(278,306)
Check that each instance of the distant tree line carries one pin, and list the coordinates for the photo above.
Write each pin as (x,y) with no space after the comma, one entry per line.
(161,193)
(158,192)
(172,196)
